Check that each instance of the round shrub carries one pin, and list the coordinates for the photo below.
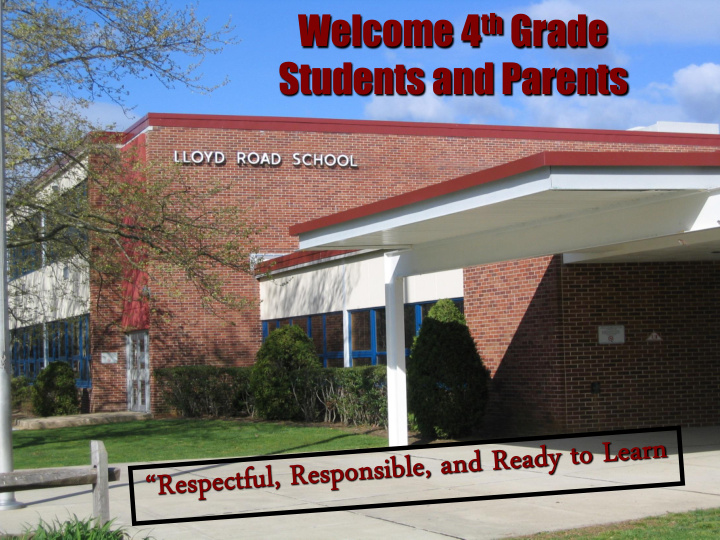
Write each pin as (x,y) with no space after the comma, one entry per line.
(284,377)
(54,392)
(447,381)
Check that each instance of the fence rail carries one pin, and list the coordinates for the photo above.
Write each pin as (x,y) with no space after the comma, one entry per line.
(70,476)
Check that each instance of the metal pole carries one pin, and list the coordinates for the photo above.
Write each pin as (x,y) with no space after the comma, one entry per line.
(7,500)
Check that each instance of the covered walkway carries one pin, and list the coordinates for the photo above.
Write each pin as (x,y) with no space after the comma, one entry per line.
(589,207)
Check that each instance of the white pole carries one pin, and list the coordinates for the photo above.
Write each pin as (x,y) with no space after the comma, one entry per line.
(7,500)
(395,336)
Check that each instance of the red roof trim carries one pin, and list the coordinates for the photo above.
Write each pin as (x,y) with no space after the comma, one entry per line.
(297,258)
(420,129)
(536,161)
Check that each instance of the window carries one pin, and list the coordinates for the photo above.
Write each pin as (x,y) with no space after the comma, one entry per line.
(368,343)
(325,330)
(65,243)
(370,348)
(27,351)
(367,330)
(66,341)
(25,259)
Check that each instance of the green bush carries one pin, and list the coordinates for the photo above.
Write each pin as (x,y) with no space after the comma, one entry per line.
(356,395)
(54,392)
(285,377)
(196,391)
(447,381)
(21,392)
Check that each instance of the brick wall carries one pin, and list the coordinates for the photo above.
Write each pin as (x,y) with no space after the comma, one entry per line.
(182,332)
(535,323)
(513,310)
(109,390)
(643,384)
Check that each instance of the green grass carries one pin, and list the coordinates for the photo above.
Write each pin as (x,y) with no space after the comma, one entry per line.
(161,440)
(697,524)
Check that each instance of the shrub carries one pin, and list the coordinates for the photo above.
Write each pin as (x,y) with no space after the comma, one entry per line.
(54,392)
(286,376)
(447,381)
(195,391)
(21,392)
(356,395)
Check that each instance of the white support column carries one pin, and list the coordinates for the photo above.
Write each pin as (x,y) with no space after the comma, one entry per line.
(395,335)
(346,320)
(346,338)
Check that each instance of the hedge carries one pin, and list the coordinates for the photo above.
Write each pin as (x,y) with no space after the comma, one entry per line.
(195,391)
(353,396)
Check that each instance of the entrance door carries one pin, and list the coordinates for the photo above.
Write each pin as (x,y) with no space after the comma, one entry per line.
(138,372)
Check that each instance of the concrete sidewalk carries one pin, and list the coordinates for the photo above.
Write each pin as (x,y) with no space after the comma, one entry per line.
(477,519)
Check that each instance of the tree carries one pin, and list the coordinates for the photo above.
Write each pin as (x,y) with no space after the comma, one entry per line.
(447,381)
(60,56)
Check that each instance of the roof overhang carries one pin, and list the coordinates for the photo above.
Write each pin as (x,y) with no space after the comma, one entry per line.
(587,205)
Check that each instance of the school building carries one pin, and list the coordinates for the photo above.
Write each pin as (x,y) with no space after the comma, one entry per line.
(587,263)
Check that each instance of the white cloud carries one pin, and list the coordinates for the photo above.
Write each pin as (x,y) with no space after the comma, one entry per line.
(597,112)
(693,96)
(432,108)
(483,109)
(109,114)
(697,90)
(425,108)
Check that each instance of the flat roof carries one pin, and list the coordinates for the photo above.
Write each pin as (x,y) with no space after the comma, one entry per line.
(615,206)
(541,160)
(419,129)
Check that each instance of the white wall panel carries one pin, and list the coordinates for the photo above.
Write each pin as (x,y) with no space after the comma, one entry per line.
(354,284)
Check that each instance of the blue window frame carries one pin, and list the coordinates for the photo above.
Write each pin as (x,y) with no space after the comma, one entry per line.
(367,337)
(326,331)
(375,353)
(67,341)
(366,332)
(26,351)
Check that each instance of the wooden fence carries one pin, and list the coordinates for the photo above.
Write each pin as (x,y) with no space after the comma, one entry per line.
(70,476)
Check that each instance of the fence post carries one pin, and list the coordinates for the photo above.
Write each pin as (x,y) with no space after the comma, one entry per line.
(101,496)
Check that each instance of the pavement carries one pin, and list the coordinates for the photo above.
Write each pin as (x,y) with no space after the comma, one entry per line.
(495,518)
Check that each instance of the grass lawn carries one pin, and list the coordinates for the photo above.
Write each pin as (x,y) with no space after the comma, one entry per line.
(697,524)
(177,439)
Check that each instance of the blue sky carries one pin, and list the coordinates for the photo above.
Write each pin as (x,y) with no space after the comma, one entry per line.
(670,49)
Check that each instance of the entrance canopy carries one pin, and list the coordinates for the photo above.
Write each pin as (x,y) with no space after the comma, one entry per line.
(588,206)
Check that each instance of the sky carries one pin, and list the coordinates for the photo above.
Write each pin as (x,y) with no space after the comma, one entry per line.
(670,49)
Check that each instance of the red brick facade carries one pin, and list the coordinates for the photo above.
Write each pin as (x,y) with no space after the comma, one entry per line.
(535,323)
(642,383)
(520,313)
